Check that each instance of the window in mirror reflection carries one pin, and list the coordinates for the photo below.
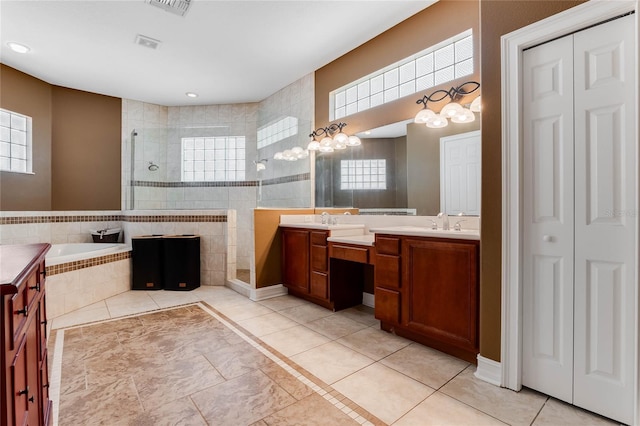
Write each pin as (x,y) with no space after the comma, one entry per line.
(363,174)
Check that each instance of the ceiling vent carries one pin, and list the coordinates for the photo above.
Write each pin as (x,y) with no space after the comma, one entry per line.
(178,7)
(149,42)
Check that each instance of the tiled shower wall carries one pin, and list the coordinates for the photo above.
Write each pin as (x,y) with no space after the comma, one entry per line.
(282,184)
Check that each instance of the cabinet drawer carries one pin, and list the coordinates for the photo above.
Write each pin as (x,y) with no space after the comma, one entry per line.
(18,305)
(387,245)
(319,258)
(387,271)
(319,238)
(354,254)
(387,307)
(319,285)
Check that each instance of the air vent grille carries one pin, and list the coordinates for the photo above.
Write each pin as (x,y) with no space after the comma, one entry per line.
(178,7)
(149,42)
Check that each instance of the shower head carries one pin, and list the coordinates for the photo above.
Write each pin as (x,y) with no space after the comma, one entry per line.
(152,166)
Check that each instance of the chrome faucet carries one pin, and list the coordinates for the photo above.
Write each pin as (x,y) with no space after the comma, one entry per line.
(434,224)
(445,220)
(326,218)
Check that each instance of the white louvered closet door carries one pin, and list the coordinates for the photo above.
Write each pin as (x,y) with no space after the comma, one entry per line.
(580,217)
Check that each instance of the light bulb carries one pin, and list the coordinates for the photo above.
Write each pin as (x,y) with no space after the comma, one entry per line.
(354,141)
(466,116)
(313,145)
(278,156)
(476,105)
(423,115)
(326,141)
(437,122)
(451,109)
(340,138)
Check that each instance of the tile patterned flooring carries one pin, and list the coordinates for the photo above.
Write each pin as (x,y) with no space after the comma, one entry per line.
(212,356)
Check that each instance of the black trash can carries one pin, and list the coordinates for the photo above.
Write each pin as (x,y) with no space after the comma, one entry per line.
(146,260)
(181,262)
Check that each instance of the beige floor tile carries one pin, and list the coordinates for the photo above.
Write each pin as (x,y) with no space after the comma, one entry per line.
(361,313)
(179,412)
(313,410)
(287,381)
(267,324)
(137,307)
(331,362)
(95,312)
(558,413)
(294,340)
(335,326)
(167,299)
(243,311)
(306,313)
(242,401)
(235,360)
(383,391)
(427,365)
(515,408)
(282,302)
(442,410)
(374,343)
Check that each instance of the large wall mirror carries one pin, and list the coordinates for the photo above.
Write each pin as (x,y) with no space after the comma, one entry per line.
(401,169)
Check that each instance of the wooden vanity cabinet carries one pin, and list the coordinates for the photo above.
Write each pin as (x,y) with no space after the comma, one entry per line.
(429,292)
(23,376)
(305,264)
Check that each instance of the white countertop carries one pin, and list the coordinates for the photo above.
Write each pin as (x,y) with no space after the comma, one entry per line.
(361,240)
(334,230)
(418,231)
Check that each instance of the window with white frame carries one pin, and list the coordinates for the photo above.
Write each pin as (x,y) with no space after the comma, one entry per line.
(277,131)
(15,142)
(363,174)
(446,61)
(213,159)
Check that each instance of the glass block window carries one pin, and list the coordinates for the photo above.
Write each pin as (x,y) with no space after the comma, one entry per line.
(444,62)
(213,159)
(277,131)
(15,142)
(363,174)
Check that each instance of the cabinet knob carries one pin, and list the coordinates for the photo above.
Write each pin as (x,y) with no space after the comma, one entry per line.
(35,287)
(22,311)
(23,391)
(32,399)
(547,238)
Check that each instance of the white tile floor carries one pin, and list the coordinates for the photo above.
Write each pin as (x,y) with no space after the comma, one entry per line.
(399,381)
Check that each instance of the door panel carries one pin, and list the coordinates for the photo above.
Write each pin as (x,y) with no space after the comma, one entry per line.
(606,231)
(548,219)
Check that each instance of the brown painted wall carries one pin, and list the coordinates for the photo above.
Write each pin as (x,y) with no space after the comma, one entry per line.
(440,21)
(443,20)
(496,19)
(27,95)
(86,150)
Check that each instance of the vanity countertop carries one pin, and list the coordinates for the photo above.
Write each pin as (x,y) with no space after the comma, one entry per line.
(418,231)
(334,230)
(361,240)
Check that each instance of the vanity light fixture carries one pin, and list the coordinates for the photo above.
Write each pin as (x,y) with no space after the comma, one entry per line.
(17,47)
(294,154)
(261,164)
(333,138)
(453,110)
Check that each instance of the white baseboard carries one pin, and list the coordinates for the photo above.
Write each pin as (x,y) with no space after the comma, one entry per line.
(256,294)
(489,370)
(368,299)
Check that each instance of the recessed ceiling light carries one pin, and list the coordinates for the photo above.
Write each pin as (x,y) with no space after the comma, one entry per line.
(191,94)
(17,47)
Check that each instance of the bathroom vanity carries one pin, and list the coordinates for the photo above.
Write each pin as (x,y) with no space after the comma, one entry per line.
(427,287)
(24,376)
(305,265)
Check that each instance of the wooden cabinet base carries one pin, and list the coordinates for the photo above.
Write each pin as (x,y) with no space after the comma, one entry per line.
(466,355)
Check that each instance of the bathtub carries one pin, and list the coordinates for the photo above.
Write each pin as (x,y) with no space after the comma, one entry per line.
(65,253)
(79,275)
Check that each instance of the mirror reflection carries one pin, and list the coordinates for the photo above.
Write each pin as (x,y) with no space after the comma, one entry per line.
(402,169)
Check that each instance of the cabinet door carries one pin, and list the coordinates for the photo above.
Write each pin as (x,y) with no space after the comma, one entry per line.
(295,259)
(387,307)
(440,290)
(20,384)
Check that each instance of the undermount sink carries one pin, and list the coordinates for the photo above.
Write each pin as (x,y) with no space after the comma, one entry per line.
(427,231)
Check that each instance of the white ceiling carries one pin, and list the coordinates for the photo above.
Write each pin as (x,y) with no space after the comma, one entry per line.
(226,51)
